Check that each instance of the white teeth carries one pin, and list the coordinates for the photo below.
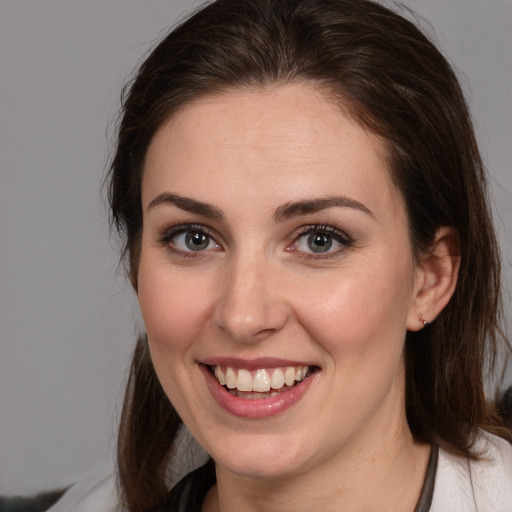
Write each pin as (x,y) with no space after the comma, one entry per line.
(230,378)
(262,380)
(277,380)
(289,376)
(244,381)
(220,375)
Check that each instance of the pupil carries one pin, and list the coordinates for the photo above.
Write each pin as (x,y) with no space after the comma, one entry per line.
(196,241)
(319,242)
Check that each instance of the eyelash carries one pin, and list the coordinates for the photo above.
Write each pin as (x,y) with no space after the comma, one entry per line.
(324,229)
(165,239)
(168,234)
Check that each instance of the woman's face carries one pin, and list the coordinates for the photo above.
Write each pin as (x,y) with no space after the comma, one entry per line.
(276,261)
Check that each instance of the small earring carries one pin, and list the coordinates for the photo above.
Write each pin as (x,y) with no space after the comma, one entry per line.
(423,321)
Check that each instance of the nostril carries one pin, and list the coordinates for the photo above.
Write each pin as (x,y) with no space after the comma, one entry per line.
(250,304)
(248,326)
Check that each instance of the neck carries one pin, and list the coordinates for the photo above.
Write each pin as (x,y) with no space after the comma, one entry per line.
(386,475)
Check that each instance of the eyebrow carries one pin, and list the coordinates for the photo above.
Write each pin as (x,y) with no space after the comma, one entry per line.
(188,204)
(282,213)
(307,206)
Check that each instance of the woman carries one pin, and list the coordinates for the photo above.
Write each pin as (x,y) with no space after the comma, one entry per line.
(305,220)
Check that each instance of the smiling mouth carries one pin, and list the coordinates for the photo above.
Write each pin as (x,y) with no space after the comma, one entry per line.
(261,383)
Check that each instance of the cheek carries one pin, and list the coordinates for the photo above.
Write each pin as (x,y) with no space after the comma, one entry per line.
(174,309)
(174,313)
(359,312)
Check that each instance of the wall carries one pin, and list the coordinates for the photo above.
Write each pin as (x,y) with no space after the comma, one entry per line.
(67,319)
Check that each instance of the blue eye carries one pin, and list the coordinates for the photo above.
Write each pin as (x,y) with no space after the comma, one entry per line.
(189,239)
(319,240)
(196,241)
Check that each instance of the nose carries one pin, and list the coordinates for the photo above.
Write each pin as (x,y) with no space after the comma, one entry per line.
(251,306)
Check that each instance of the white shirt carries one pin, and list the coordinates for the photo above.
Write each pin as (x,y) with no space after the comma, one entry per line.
(460,485)
(482,486)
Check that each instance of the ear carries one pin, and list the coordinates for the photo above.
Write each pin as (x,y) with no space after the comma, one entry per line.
(436,278)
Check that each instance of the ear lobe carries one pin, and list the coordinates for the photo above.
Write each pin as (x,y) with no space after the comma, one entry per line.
(436,280)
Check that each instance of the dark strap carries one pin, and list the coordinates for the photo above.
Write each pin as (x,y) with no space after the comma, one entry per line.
(427,491)
(188,495)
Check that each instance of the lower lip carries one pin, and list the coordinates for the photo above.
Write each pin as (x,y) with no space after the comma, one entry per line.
(260,407)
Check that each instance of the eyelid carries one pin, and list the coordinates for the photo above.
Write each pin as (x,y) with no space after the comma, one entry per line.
(168,233)
(324,228)
(338,235)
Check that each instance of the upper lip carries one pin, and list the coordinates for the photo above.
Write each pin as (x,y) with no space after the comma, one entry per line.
(253,364)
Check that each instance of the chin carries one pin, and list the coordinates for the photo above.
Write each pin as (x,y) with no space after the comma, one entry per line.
(264,459)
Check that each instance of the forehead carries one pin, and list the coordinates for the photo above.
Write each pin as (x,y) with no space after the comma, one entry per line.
(285,141)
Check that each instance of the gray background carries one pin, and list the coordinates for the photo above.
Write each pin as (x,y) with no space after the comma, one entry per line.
(67,320)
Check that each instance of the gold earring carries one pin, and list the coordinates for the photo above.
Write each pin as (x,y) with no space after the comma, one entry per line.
(423,321)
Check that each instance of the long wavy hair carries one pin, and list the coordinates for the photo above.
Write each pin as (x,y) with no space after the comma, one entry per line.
(393,82)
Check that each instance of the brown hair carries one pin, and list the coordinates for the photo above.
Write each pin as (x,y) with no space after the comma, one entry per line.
(395,83)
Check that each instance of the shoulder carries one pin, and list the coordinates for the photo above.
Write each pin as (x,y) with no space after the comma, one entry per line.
(94,493)
(483,486)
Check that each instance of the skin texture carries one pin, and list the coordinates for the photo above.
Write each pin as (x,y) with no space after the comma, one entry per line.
(258,290)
